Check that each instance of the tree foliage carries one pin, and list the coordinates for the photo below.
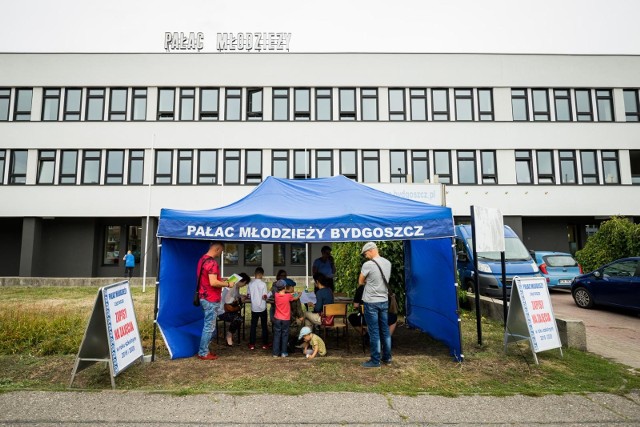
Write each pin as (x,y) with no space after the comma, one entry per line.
(617,238)
(349,263)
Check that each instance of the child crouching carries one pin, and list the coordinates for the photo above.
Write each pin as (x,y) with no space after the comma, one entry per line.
(312,345)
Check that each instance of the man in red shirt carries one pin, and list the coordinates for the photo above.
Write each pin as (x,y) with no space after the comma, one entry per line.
(210,286)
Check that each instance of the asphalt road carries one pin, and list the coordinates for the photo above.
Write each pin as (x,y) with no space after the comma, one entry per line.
(611,333)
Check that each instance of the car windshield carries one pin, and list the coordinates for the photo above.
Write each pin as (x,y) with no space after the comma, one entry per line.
(560,261)
(514,251)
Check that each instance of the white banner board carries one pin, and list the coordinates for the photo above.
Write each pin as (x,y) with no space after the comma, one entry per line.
(489,228)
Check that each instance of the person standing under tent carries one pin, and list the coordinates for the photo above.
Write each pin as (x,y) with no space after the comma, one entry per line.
(129,264)
(374,275)
(210,286)
(325,265)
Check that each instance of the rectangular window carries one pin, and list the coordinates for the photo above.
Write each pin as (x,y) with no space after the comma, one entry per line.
(420,166)
(95,104)
(68,167)
(136,166)
(610,167)
(418,98)
(279,254)
(280,104)
(139,104)
(46,166)
(485,104)
(118,104)
(233,104)
(347,104)
(187,104)
(115,167)
(440,104)
(254,104)
(349,164)
(298,254)
(302,104)
(324,163)
(280,163)
(230,254)
(589,167)
(568,167)
(563,105)
(489,168)
(209,103)
(208,167)
(519,105)
(324,105)
(396,105)
(253,166)
(604,103)
(185,167)
(370,166)
(18,167)
(523,167)
(5,101)
(22,108)
(91,160)
(584,111)
(369,104)
(134,241)
(164,167)
(442,165)
(398,164)
(72,104)
(545,165)
(50,105)
(301,164)
(464,104)
(253,254)
(634,159)
(631,105)
(540,98)
(166,103)
(467,167)
(3,159)
(111,254)
(232,167)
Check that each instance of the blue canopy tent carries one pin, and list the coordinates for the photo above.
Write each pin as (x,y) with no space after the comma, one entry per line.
(306,211)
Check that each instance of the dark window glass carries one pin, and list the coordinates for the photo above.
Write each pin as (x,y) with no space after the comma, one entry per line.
(440,104)
(5,100)
(324,163)
(208,167)
(604,102)
(485,104)
(631,105)
(370,166)
(118,104)
(396,104)
(253,254)
(18,167)
(398,164)
(519,104)
(563,105)
(3,160)
(610,167)
(232,166)
(166,104)
(164,167)
(634,159)
(233,104)
(523,167)
(301,164)
(324,105)
(442,166)
(139,104)
(136,166)
(46,166)
(348,164)
(467,167)
(68,167)
(369,104)
(420,165)
(489,168)
(187,104)
(72,104)
(568,167)
(584,111)
(111,253)
(230,254)
(280,163)
(209,103)
(279,254)
(302,104)
(418,104)
(185,167)
(254,104)
(546,170)
(464,104)
(589,167)
(253,167)
(95,104)
(347,104)
(91,167)
(540,99)
(50,105)
(22,108)
(280,104)
(298,254)
(115,167)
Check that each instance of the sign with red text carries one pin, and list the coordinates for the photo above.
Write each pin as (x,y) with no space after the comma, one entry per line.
(531,315)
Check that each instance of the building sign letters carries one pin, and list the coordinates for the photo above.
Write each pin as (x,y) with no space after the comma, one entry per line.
(183,41)
(228,42)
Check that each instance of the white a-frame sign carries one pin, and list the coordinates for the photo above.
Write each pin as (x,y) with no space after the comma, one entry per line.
(531,316)
(112,333)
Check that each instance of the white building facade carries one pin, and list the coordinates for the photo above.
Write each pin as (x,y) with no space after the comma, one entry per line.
(92,146)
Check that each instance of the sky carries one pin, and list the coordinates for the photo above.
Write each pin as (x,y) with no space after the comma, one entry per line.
(422,26)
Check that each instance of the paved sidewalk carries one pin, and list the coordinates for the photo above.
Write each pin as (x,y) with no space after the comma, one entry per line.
(111,408)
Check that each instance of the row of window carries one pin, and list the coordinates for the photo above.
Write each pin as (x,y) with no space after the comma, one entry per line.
(188,167)
(304,104)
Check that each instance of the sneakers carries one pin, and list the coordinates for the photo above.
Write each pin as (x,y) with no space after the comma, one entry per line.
(266,346)
(370,364)
(209,356)
(386,362)
(284,355)
(252,347)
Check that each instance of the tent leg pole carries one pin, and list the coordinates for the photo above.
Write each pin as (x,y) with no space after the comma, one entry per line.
(455,271)
(155,304)
(476,279)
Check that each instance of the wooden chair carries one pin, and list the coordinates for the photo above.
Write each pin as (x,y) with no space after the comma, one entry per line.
(339,313)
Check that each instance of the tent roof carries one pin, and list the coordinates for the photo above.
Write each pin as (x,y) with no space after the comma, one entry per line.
(311,210)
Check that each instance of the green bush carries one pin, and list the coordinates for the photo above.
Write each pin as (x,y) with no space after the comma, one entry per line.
(617,238)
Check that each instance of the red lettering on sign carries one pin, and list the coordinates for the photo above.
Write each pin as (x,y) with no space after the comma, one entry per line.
(123,330)
(537,304)
(121,315)
(541,317)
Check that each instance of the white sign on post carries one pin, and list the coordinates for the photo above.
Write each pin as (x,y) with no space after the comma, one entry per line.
(531,316)
(489,228)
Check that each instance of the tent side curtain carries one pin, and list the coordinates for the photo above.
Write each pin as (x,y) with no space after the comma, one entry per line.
(312,210)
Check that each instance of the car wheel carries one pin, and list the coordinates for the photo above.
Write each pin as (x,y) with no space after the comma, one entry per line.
(583,298)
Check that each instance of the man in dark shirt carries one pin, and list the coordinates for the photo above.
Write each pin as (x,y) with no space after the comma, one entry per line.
(324,295)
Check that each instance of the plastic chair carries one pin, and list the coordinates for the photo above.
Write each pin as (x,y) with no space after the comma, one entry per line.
(339,313)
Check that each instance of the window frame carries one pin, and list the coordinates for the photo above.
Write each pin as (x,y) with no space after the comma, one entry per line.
(252,177)
(301,114)
(119,174)
(169,114)
(162,175)
(232,94)
(447,177)
(18,176)
(417,159)
(568,159)
(320,160)
(485,115)
(522,96)
(397,115)
(62,175)
(184,157)
(328,96)
(343,113)
(137,97)
(135,157)
(352,176)
(209,115)
(232,155)
(46,157)
(3,161)
(632,114)
(489,172)
(583,115)
(418,96)
(540,113)
(604,97)
(19,114)
(464,162)
(278,98)
(69,114)
(368,95)
(590,177)
(562,98)
(5,103)
(398,174)
(188,104)
(94,94)
(613,158)
(545,178)
(46,98)
(280,159)
(85,161)
(114,115)
(524,157)
(465,95)
(440,115)
(204,176)
(253,113)
(306,160)
(370,159)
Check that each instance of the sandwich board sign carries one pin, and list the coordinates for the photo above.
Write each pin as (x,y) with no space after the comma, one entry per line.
(112,334)
(531,316)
